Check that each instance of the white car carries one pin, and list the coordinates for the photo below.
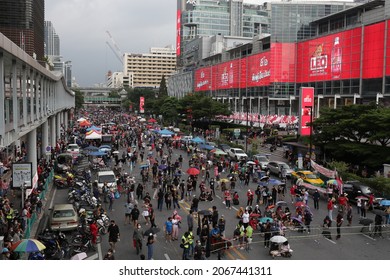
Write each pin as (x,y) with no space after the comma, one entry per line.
(237,154)
(263,160)
(107,177)
(276,167)
(73,149)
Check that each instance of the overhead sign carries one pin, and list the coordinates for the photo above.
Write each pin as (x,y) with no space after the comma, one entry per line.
(141,104)
(306,108)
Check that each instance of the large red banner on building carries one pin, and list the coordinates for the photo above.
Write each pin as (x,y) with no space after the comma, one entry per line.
(336,56)
(203,79)
(283,62)
(259,70)
(374,38)
(306,99)
(227,75)
(178,31)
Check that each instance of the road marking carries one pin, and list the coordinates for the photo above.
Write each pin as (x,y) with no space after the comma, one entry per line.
(369,237)
(330,240)
(239,254)
(93,257)
(167,257)
(218,196)
(234,208)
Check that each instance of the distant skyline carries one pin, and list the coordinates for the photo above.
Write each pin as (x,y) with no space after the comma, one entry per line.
(136,26)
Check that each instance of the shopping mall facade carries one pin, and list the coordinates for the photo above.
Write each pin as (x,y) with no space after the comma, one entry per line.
(344,56)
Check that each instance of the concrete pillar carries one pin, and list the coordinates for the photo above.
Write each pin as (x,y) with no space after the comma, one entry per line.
(58,126)
(32,149)
(2,96)
(15,101)
(32,92)
(66,120)
(45,136)
(53,138)
(24,93)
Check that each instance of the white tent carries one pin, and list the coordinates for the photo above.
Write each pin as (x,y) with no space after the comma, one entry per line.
(93,135)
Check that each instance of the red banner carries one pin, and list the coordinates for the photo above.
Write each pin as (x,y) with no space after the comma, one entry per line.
(178,31)
(336,56)
(203,79)
(283,62)
(374,38)
(306,107)
(226,75)
(141,105)
(259,70)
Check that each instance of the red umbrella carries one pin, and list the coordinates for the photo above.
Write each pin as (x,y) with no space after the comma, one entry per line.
(193,171)
(300,204)
(152,120)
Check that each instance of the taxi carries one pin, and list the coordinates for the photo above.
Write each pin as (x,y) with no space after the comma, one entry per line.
(308,177)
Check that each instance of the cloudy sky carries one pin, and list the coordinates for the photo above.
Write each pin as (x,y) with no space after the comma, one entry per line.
(135,25)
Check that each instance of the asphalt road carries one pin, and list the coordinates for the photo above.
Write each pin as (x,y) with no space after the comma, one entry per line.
(353,245)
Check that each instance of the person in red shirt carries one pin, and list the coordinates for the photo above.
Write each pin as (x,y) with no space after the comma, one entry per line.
(342,200)
(371,201)
(330,208)
(93,229)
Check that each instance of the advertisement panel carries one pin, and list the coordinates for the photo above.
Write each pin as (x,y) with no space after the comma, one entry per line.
(336,56)
(178,31)
(374,38)
(227,75)
(306,98)
(141,104)
(259,70)
(388,50)
(203,79)
(283,62)
(22,175)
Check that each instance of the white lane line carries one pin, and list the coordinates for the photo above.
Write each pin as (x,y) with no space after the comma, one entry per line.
(167,257)
(218,196)
(93,257)
(234,208)
(330,240)
(369,237)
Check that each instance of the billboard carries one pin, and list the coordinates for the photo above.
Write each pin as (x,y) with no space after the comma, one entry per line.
(259,70)
(178,31)
(227,75)
(22,175)
(335,56)
(283,62)
(203,79)
(373,52)
(306,102)
(141,105)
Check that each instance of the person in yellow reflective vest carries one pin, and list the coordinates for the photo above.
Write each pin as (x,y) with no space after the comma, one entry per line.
(190,243)
(185,245)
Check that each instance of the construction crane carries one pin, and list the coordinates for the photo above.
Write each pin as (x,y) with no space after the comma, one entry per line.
(114,47)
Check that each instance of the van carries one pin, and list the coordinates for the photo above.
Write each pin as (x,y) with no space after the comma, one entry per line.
(109,177)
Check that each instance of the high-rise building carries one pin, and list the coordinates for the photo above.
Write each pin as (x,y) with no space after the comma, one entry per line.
(147,70)
(198,18)
(22,21)
(52,41)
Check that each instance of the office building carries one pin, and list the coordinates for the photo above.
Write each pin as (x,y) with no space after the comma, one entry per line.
(146,70)
(22,21)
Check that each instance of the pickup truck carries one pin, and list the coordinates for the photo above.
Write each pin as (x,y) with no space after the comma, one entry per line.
(236,154)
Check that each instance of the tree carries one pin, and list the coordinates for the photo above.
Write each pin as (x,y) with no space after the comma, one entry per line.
(357,134)
(163,91)
(79,99)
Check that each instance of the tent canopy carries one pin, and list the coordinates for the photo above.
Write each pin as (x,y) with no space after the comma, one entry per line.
(93,135)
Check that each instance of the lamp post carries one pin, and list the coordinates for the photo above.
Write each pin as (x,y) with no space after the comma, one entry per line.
(378,96)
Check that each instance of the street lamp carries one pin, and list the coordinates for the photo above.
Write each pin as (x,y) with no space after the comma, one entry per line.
(355,97)
(378,96)
(336,96)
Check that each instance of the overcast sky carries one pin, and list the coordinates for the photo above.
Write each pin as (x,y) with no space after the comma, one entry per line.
(135,25)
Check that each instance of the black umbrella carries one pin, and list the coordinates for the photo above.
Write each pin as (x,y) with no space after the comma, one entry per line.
(379,212)
(152,230)
(205,212)
(365,221)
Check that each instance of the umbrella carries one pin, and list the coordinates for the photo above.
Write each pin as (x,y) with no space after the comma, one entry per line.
(115,152)
(264,220)
(379,212)
(91,148)
(254,215)
(332,182)
(28,246)
(142,120)
(193,171)
(281,203)
(366,222)
(144,165)
(300,204)
(97,153)
(79,256)
(204,212)
(250,162)
(361,197)
(151,231)
(152,120)
(224,180)
(206,147)
(264,178)
(162,167)
(197,140)
(218,152)
(385,202)
(278,239)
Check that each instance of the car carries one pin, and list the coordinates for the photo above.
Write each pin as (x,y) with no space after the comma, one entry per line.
(223,147)
(275,167)
(63,217)
(354,189)
(263,160)
(73,149)
(107,177)
(237,154)
(308,177)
